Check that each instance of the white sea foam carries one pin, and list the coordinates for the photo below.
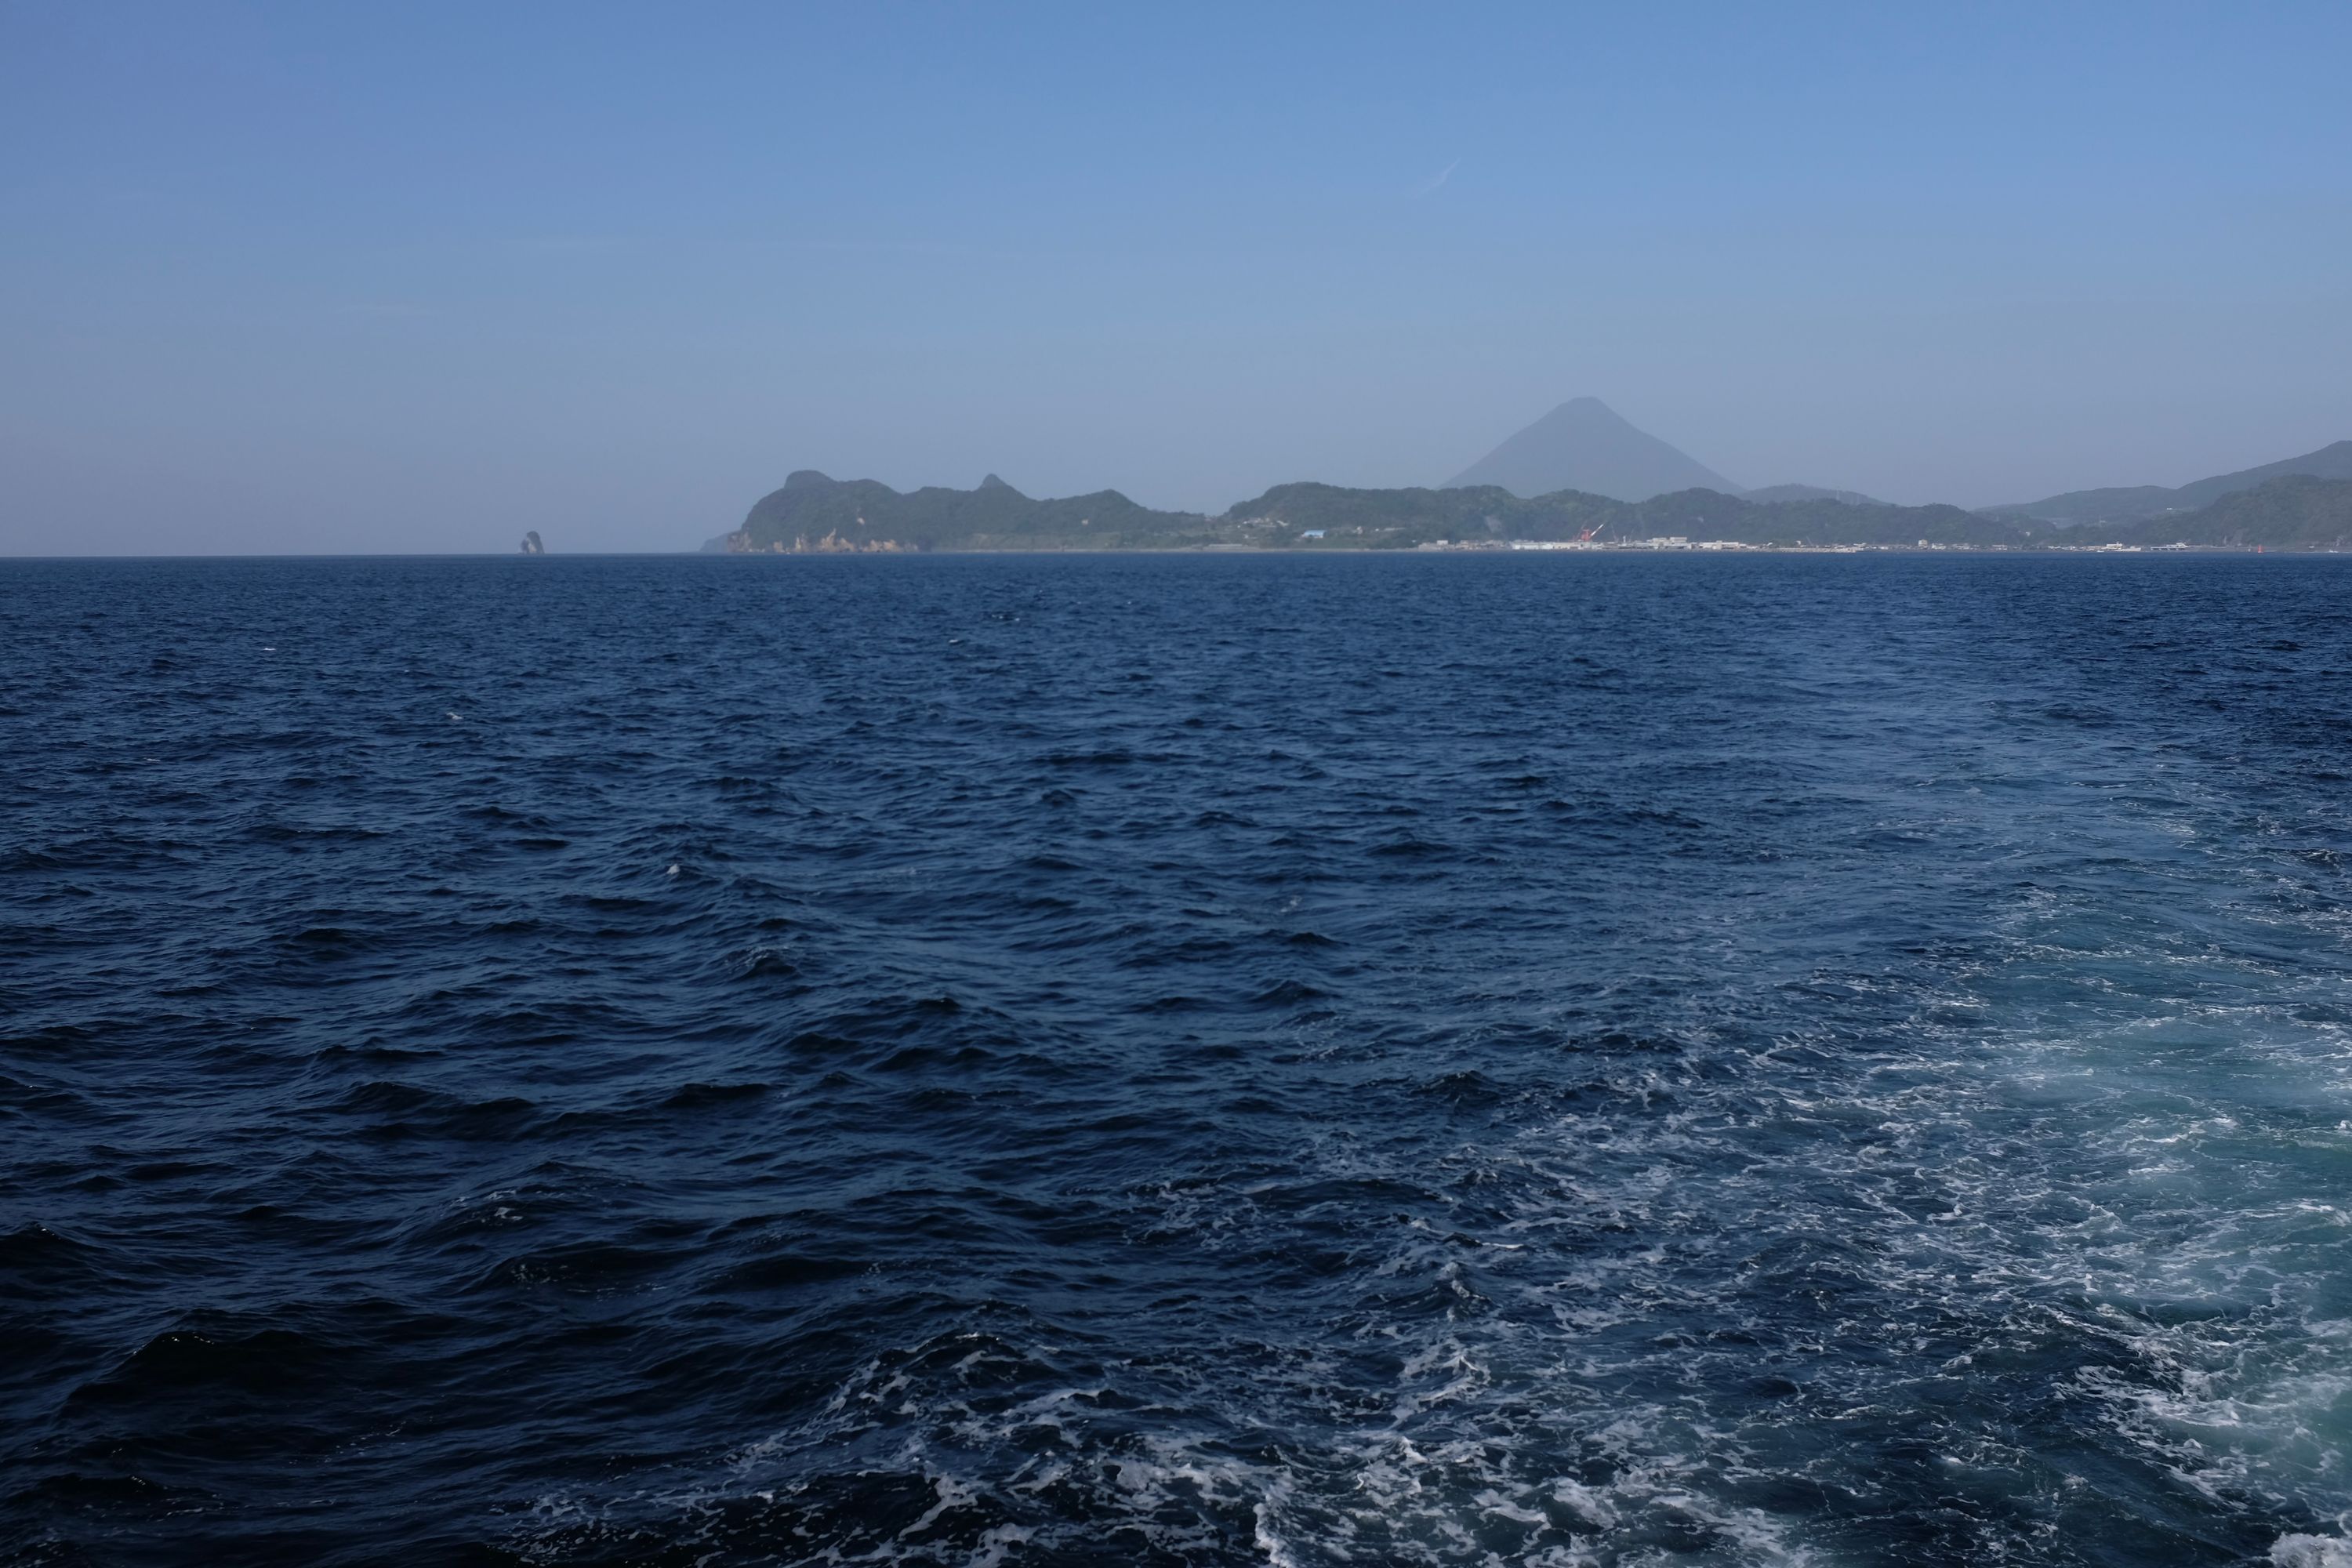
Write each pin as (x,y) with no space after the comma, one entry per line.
(2043,1183)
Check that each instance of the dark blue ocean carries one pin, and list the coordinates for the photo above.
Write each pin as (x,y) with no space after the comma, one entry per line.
(1177,1060)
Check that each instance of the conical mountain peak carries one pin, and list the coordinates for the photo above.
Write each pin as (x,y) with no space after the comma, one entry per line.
(1584,444)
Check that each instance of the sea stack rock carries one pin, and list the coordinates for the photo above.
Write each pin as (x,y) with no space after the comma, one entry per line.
(530,544)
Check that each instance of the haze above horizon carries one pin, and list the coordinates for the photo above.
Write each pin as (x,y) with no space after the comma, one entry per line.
(288,278)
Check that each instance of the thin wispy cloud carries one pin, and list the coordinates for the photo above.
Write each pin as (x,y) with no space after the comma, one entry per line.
(1435,181)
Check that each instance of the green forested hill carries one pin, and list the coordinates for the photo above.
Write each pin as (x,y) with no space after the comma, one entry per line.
(2130,503)
(2297,513)
(1417,516)
(1404,517)
(813,515)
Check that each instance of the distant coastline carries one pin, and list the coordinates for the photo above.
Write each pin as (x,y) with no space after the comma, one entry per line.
(813,515)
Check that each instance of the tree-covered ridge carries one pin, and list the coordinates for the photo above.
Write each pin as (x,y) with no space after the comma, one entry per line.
(2297,513)
(1286,511)
(813,515)
(1411,517)
(2130,503)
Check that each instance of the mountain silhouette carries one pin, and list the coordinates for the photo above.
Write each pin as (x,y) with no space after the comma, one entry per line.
(2124,503)
(1811,492)
(1583,445)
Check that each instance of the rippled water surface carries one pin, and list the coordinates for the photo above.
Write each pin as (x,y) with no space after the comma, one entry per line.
(1176,1060)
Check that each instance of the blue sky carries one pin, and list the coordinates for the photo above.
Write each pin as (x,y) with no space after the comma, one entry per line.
(421,277)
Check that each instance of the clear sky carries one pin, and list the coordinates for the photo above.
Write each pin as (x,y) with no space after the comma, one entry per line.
(420,276)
